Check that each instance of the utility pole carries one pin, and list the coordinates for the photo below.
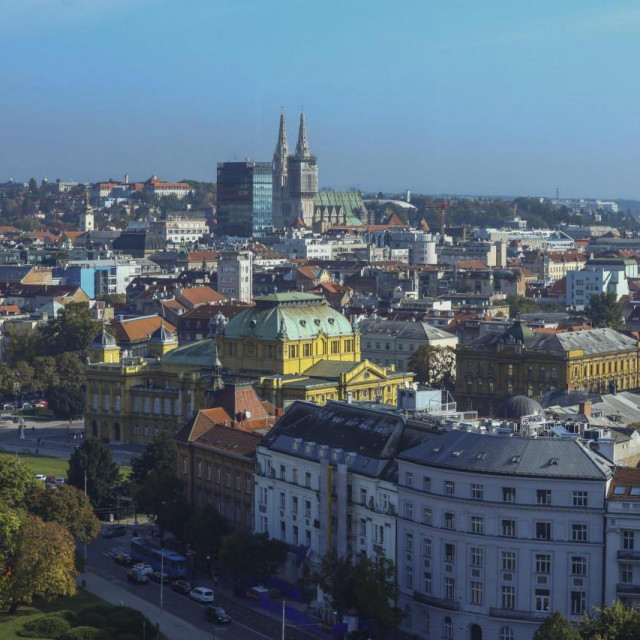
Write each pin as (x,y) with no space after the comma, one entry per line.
(161,577)
(284,604)
(84,544)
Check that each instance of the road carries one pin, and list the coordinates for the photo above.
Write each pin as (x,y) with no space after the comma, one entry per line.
(248,623)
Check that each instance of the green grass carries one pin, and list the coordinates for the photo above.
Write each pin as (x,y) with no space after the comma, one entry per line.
(10,624)
(50,466)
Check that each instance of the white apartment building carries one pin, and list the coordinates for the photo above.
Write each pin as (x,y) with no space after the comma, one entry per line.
(496,532)
(622,526)
(177,230)
(492,254)
(421,246)
(235,275)
(325,481)
(600,275)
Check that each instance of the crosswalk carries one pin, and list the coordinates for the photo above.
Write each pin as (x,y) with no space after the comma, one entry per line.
(115,551)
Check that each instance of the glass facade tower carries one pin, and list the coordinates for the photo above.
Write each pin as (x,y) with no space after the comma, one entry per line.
(244,198)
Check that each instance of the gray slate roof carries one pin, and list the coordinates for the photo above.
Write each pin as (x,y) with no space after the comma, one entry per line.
(405,329)
(510,456)
(590,341)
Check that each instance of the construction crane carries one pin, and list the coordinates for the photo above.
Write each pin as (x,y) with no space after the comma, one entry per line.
(442,207)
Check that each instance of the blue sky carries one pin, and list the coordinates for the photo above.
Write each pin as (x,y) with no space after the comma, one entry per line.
(457,96)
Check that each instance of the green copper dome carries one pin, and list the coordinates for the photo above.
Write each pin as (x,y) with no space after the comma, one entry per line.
(202,354)
(289,316)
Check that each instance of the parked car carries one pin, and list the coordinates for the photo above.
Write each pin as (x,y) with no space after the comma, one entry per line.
(115,531)
(201,594)
(40,477)
(27,405)
(182,586)
(143,567)
(216,614)
(137,577)
(155,576)
(124,559)
(8,407)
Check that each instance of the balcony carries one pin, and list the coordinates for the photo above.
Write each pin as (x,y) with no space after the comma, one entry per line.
(515,614)
(628,589)
(432,601)
(629,555)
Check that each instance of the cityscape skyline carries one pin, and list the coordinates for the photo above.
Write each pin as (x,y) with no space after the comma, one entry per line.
(498,100)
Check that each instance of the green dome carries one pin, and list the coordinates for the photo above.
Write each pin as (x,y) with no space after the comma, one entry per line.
(292,316)
(202,354)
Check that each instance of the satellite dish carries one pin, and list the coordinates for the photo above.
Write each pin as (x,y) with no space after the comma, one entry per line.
(247,414)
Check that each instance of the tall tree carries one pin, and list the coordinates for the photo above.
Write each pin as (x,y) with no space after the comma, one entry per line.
(615,622)
(160,455)
(556,627)
(72,329)
(45,374)
(102,476)
(38,560)
(205,531)
(520,304)
(16,482)
(66,402)
(605,311)
(434,366)
(248,555)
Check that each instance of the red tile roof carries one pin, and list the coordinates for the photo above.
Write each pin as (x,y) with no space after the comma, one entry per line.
(201,295)
(138,329)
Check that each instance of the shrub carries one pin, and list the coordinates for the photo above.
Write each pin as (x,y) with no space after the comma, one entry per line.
(92,619)
(128,636)
(125,619)
(46,627)
(101,609)
(81,633)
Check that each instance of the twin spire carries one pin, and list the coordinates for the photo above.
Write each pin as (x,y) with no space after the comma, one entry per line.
(282,146)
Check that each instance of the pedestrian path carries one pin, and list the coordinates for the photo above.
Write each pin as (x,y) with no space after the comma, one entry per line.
(112,591)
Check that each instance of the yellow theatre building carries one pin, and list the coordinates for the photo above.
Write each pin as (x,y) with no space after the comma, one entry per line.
(293,346)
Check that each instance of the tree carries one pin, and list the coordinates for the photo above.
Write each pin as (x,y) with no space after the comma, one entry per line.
(160,455)
(37,560)
(72,368)
(205,531)
(66,402)
(22,377)
(520,304)
(556,627)
(605,311)
(434,366)
(68,506)
(249,555)
(22,346)
(72,329)
(615,622)
(94,458)
(45,374)
(16,482)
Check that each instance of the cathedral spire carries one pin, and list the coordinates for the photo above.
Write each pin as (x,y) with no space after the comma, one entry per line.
(282,147)
(302,148)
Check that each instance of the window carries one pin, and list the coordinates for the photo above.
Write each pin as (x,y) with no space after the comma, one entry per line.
(408,542)
(426,627)
(543,496)
(449,488)
(509,528)
(363,497)
(426,547)
(476,592)
(578,566)
(543,563)
(228,479)
(543,531)
(626,573)
(508,597)
(307,508)
(426,484)
(184,464)
(506,633)
(408,479)
(294,475)
(508,494)
(542,600)
(199,468)
(307,480)
(408,510)
(208,471)
(283,472)
(238,482)
(449,588)
(508,560)
(449,521)
(283,500)
(447,628)
(578,602)
(427,582)
(477,557)
(294,504)
(218,474)
(427,516)
(477,491)
(449,552)
(477,524)
(408,576)
(627,540)
(579,498)
(579,533)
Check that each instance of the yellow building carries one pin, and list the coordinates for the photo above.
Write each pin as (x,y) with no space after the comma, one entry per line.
(519,362)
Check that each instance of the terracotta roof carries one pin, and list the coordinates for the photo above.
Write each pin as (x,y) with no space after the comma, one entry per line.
(138,329)
(243,404)
(198,256)
(628,479)
(201,295)
(395,221)
(471,264)
(333,287)
(206,419)
(9,310)
(310,271)
(155,182)
(8,229)
(559,287)
(73,235)
(227,439)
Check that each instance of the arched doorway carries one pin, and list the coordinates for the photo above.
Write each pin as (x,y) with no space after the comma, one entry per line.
(475,632)
(116,431)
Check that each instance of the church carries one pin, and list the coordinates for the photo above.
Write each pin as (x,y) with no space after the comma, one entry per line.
(296,199)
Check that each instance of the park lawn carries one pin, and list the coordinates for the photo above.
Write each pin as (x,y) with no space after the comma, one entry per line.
(50,466)
(10,624)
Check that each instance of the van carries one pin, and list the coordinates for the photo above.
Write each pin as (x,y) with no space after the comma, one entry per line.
(201,594)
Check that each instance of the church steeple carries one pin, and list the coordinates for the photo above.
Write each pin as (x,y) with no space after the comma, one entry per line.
(302,148)
(281,153)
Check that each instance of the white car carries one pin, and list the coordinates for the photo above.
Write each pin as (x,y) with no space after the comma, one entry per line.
(143,567)
(40,476)
(201,594)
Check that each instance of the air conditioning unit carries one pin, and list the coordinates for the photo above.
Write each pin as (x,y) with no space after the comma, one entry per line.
(542,579)
(507,577)
(578,582)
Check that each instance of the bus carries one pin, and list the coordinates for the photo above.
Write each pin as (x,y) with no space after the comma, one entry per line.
(173,564)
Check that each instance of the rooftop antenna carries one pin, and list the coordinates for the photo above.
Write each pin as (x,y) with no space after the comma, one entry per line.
(557,195)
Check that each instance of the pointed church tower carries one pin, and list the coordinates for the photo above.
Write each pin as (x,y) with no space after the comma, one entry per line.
(302,148)
(86,217)
(280,195)
(303,179)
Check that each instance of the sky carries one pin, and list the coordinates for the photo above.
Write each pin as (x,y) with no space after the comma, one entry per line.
(492,97)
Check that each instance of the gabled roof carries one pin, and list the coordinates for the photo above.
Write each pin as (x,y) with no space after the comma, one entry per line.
(205,431)
(138,329)
(201,295)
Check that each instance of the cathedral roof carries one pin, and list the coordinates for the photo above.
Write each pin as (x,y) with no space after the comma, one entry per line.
(291,316)
(350,201)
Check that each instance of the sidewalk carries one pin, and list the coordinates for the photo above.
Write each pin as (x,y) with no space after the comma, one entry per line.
(111,590)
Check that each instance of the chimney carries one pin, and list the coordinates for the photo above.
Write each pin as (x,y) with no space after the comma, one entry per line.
(585,408)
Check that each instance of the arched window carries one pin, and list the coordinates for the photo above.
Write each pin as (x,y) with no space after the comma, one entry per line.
(447,628)
(506,633)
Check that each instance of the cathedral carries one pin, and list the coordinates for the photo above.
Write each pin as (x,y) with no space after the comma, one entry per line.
(296,200)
